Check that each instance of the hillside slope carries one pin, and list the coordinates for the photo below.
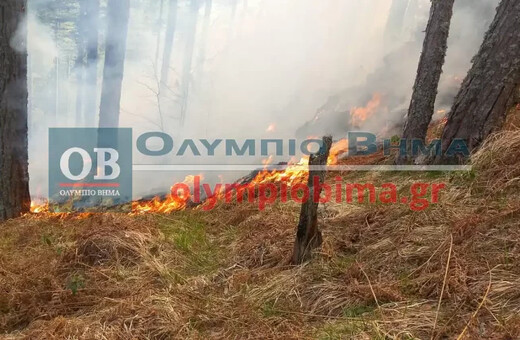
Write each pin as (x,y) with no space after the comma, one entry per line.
(384,271)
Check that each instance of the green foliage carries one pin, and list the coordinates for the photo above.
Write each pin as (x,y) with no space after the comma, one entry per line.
(61,16)
(75,283)
(269,309)
(357,310)
(340,330)
(189,236)
(395,140)
(47,239)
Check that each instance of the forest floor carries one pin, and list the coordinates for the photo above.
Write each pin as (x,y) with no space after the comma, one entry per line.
(383,272)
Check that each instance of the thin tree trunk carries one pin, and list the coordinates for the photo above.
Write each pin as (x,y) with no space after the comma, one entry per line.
(168,43)
(204,34)
(430,69)
(30,87)
(308,236)
(80,64)
(201,57)
(394,24)
(115,50)
(159,30)
(80,89)
(188,58)
(14,181)
(482,103)
(90,101)
(56,75)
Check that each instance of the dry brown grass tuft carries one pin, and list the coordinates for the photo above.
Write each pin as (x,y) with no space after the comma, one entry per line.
(497,163)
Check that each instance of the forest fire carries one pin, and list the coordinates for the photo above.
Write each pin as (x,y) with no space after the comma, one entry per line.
(167,205)
(360,114)
(295,172)
(43,209)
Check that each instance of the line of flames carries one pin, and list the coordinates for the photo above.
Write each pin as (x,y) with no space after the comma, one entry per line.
(296,172)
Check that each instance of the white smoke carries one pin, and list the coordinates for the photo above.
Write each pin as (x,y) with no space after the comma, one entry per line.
(274,64)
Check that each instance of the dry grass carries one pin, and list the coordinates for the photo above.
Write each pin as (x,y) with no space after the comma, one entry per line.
(382,273)
(497,162)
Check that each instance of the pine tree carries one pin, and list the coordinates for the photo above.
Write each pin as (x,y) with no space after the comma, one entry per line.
(14,179)
(429,72)
(486,93)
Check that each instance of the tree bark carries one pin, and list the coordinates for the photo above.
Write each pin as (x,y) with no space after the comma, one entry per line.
(188,58)
(86,63)
(482,103)
(308,236)
(159,29)
(394,24)
(429,72)
(204,33)
(80,81)
(198,76)
(90,100)
(14,179)
(115,50)
(168,43)
(56,75)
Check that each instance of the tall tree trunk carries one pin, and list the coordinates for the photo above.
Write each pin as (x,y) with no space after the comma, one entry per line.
(84,26)
(14,179)
(394,24)
(429,72)
(168,43)
(80,81)
(91,66)
(201,58)
(115,50)
(482,103)
(204,33)
(188,57)
(159,30)
(56,75)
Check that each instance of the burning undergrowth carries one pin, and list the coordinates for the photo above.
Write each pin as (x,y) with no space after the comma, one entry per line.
(383,271)
(293,173)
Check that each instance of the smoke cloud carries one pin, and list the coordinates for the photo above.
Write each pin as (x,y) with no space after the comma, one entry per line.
(273,69)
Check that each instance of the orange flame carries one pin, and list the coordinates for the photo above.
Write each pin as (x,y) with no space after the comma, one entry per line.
(295,173)
(358,115)
(174,201)
(44,210)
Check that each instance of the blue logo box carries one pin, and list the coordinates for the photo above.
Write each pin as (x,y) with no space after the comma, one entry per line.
(90,169)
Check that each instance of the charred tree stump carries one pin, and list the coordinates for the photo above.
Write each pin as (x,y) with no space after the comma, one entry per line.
(308,236)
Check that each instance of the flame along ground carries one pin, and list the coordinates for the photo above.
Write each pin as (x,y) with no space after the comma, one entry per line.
(296,172)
